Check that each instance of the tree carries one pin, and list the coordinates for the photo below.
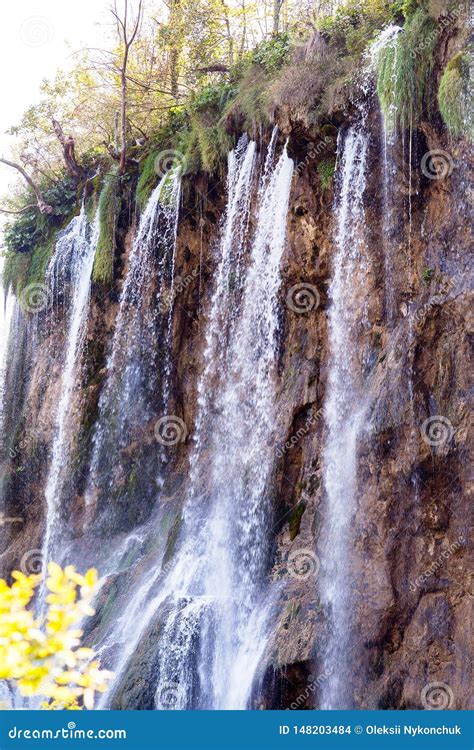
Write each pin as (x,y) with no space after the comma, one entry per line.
(127,30)
(45,657)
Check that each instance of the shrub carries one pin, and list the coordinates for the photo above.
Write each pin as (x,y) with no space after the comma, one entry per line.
(272,53)
(23,233)
(300,88)
(357,22)
(44,656)
(325,169)
(29,238)
(453,97)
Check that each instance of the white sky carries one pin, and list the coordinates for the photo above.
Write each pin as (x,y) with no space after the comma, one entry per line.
(38,38)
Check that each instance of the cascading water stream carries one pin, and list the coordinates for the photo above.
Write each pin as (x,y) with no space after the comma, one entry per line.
(72,263)
(7,305)
(241,166)
(215,634)
(388,38)
(344,410)
(214,601)
(392,241)
(129,397)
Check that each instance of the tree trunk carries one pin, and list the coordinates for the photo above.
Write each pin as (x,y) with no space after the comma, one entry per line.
(175,50)
(123,117)
(67,143)
(230,41)
(276,15)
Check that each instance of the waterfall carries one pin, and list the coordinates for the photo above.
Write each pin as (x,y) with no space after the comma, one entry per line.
(129,400)
(71,263)
(391,234)
(222,604)
(388,38)
(214,601)
(7,306)
(344,409)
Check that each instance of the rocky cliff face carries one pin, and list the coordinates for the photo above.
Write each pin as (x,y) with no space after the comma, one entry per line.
(407,560)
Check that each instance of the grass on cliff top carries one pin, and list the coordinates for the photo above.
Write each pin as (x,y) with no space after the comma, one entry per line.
(109,206)
(404,69)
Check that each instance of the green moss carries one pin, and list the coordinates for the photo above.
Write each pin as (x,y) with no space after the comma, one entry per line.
(15,271)
(325,171)
(109,200)
(207,143)
(22,269)
(295,520)
(427,275)
(454,101)
(39,260)
(147,180)
(404,69)
(249,108)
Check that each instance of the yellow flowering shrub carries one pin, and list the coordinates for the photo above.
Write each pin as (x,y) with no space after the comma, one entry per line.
(44,656)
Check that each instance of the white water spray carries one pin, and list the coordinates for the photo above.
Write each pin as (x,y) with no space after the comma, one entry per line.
(74,255)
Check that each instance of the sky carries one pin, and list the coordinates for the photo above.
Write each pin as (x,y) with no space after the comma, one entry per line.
(38,38)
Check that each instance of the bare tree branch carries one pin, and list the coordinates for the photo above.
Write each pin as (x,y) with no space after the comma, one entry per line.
(19,211)
(44,207)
